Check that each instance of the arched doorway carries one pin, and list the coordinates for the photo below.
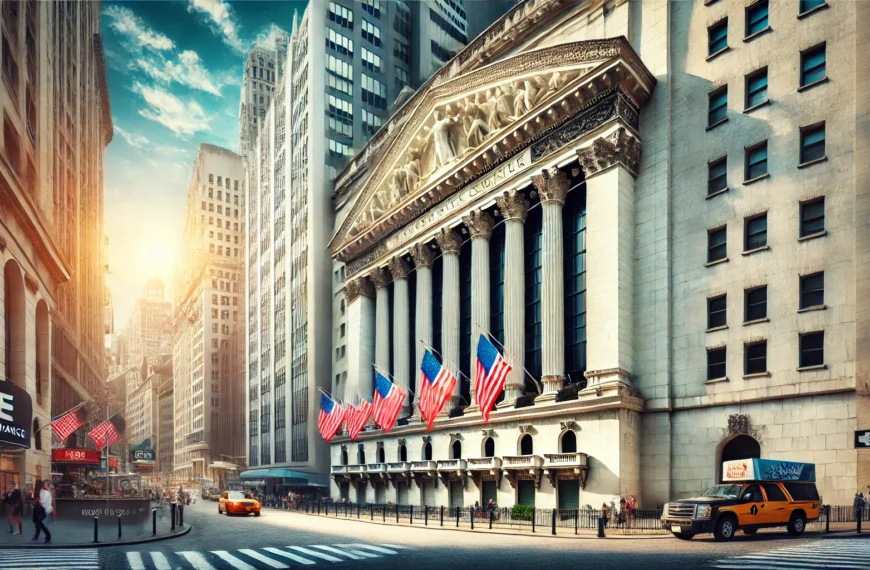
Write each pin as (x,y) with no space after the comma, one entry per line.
(382,458)
(361,456)
(568,443)
(741,446)
(344,457)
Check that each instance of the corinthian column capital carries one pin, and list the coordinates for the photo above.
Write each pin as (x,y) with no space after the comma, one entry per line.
(399,268)
(513,205)
(422,254)
(449,241)
(479,224)
(381,277)
(361,286)
(617,148)
(552,185)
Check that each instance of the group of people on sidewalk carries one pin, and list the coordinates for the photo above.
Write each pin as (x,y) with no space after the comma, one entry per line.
(42,500)
(623,513)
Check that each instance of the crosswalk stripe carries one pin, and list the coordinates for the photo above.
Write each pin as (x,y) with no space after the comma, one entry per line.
(264,559)
(134,559)
(349,548)
(232,560)
(396,546)
(320,555)
(196,560)
(373,548)
(810,556)
(160,561)
(94,566)
(803,563)
(350,555)
(290,556)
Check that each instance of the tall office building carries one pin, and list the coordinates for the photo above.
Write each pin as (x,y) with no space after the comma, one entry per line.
(209,313)
(328,103)
(149,332)
(263,71)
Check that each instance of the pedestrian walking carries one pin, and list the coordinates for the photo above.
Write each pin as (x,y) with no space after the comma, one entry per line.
(605,513)
(42,507)
(631,507)
(13,503)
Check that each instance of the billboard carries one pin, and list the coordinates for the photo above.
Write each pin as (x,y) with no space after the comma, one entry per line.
(767,470)
(16,415)
(79,456)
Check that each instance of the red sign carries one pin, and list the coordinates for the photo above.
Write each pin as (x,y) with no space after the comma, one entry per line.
(81,456)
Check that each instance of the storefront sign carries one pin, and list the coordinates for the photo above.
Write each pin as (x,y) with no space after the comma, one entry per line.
(767,470)
(142,455)
(80,456)
(16,415)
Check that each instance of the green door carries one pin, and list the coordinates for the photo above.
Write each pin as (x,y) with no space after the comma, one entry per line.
(456,494)
(569,494)
(490,491)
(526,492)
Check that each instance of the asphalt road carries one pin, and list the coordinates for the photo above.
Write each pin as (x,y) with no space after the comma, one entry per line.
(280,539)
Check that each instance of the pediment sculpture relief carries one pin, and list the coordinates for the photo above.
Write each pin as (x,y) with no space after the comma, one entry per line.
(456,129)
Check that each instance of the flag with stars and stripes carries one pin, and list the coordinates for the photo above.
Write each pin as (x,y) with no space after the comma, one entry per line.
(108,432)
(492,369)
(436,387)
(330,417)
(64,426)
(388,402)
(356,418)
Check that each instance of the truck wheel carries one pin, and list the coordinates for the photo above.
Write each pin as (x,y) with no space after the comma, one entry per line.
(797,524)
(725,529)
(750,530)
(684,535)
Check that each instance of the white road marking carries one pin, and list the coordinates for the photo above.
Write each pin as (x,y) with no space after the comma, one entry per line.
(292,557)
(264,559)
(854,556)
(320,555)
(160,561)
(232,560)
(134,559)
(379,549)
(350,555)
(396,546)
(196,560)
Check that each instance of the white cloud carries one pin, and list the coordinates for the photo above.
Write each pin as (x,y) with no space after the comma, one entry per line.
(134,140)
(133,28)
(186,69)
(171,112)
(222,22)
(269,36)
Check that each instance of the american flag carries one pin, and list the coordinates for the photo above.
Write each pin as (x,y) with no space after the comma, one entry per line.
(388,402)
(64,426)
(436,386)
(491,372)
(330,417)
(356,418)
(108,432)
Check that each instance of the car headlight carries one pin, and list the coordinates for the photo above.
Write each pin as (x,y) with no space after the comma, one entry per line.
(703,511)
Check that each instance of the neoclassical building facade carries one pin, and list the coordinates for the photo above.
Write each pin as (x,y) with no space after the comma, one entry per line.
(556,186)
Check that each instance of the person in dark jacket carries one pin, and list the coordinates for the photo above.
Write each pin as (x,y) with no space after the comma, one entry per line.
(859,504)
(13,502)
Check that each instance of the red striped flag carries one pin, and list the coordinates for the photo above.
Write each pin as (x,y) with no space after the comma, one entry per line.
(436,387)
(108,432)
(356,418)
(64,426)
(388,402)
(330,417)
(492,369)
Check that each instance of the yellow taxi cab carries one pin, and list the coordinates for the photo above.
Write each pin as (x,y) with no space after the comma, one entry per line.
(754,494)
(238,503)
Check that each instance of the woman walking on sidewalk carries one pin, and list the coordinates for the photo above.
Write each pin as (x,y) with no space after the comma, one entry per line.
(41,509)
(13,502)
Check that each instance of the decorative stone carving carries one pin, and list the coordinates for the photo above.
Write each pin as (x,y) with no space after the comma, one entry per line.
(513,205)
(440,140)
(381,277)
(618,148)
(487,432)
(527,428)
(427,439)
(399,267)
(455,437)
(401,441)
(479,224)
(552,185)
(31,283)
(449,241)
(360,286)
(569,425)
(422,254)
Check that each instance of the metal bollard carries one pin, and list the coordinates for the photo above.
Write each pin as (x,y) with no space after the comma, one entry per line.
(490,518)
(153,522)
(533,519)
(397,513)
(442,515)
(553,527)
(357,511)
(96,531)
(326,508)
(601,521)
(371,512)
(180,515)
(576,521)
(411,515)
(471,516)
(827,519)
(119,528)
(457,517)
(426,516)
(384,512)
(172,511)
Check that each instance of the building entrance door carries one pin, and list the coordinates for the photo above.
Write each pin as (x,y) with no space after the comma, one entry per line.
(456,492)
(490,491)
(402,493)
(427,493)
(526,492)
(569,494)
(381,494)
(345,490)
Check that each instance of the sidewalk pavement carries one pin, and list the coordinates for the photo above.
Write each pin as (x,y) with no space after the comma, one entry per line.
(81,532)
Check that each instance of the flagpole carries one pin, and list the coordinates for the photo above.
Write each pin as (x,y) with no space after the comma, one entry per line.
(69,411)
(529,374)
(454,366)
(391,379)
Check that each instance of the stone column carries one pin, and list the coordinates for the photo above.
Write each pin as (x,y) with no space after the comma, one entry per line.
(360,294)
(610,164)
(450,243)
(480,226)
(401,327)
(514,208)
(381,277)
(423,256)
(552,187)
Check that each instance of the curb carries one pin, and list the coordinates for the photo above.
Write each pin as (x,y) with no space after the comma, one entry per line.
(39,546)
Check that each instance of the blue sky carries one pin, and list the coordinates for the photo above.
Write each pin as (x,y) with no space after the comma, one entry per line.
(174,70)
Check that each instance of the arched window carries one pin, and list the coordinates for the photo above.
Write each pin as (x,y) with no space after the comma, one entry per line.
(741,447)
(381,455)
(489,447)
(344,457)
(526,447)
(361,456)
(37,435)
(457,449)
(403,453)
(568,443)
(427,451)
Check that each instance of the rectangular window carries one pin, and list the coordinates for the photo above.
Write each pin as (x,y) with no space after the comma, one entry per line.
(812,143)
(717,244)
(756,304)
(812,217)
(756,17)
(717,312)
(717,37)
(718,106)
(756,88)
(339,43)
(756,161)
(813,65)
(373,7)
(717,175)
(371,33)
(401,51)
(812,349)
(716,363)
(755,358)
(756,232)
(340,15)
(807,5)
(812,290)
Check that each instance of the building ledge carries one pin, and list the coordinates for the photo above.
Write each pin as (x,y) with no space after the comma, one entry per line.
(756,250)
(803,88)
(755,322)
(764,103)
(717,380)
(813,308)
(717,262)
(751,37)
(756,179)
(812,162)
(716,193)
(719,328)
(808,237)
(756,375)
(717,123)
(813,10)
(813,367)
(713,56)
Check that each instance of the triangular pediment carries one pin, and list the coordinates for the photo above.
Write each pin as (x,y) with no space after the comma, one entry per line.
(462,127)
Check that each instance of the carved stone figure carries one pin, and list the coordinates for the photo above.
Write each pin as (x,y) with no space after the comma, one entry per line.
(500,103)
(476,128)
(619,147)
(439,135)
(479,224)
(528,93)
(412,169)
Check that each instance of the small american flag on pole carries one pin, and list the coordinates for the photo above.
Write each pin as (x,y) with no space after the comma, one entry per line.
(492,369)
(356,418)
(436,386)
(108,432)
(65,425)
(330,417)
(388,402)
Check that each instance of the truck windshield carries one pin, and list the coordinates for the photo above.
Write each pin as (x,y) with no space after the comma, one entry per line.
(724,491)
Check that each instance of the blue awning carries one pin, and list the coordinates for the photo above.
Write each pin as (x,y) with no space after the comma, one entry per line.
(287,477)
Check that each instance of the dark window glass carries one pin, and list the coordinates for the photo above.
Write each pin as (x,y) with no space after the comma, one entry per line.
(717,312)
(812,143)
(756,88)
(773,492)
(756,161)
(718,106)
(526,445)
(717,175)
(756,357)
(403,453)
(756,304)
(715,363)
(813,65)
(717,245)
(812,349)
(812,217)
(533,260)
(489,447)
(812,290)
(437,301)
(802,491)
(496,281)
(574,223)
(465,325)
(717,35)
(756,17)
(807,5)
(756,232)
